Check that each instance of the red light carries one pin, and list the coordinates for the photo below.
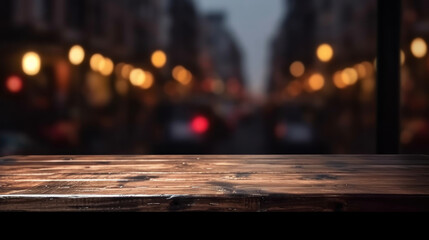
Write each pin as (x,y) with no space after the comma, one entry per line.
(14,84)
(200,124)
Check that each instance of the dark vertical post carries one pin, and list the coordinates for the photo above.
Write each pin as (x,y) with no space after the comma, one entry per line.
(388,72)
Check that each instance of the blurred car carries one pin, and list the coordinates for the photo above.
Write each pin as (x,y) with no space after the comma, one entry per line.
(14,143)
(188,128)
(293,130)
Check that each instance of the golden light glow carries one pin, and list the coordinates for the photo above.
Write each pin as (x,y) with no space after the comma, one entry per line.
(349,76)
(418,48)
(137,77)
(177,70)
(95,61)
(297,69)
(106,67)
(182,75)
(316,82)
(101,65)
(361,70)
(31,63)
(126,71)
(76,55)
(402,58)
(122,87)
(149,80)
(325,52)
(369,68)
(159,59)
(339,81)
(187,79)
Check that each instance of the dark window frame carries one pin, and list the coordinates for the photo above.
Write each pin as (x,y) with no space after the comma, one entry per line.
(388,72)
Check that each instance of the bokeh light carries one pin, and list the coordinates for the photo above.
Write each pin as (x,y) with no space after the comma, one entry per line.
(338,80)
(297,69)
(95,61)
(177,71)
(106,67)
(361,70)
(316,82)
(137,77)
(369,68)
(149,81)
(159,59)
(126,71)
(402,58)
(14,84)
(419,48)
(182,75)
(349,76)
(325,52)
(200,124)
(31,63)
(76,55)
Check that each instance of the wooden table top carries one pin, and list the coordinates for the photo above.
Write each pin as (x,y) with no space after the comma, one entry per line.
(215,183)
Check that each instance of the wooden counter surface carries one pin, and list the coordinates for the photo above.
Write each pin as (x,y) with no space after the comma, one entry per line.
(250,183)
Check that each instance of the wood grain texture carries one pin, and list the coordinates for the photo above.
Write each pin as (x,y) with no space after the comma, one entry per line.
(215,183)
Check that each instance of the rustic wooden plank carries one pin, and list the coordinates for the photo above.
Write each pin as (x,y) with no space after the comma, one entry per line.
(214,183)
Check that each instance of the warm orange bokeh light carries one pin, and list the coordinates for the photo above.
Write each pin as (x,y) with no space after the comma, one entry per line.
(419,47)
(316,82)
(297,69)
(137,77)
(349,76)
(95,61)
(76,55)
(106,67)
(325,52)
(361,70)
(159,59)
(402,58)
(126,71)
(31,63)
(369,68)
(149,81)
(182,75)
(339,81)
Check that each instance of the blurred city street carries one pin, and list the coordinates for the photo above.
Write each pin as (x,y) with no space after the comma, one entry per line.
(202,76)
(248,138)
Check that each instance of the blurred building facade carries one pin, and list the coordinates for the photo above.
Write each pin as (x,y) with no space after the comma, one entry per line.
(114,27)
(184,29)
(414,76)
(76,109)
(349,28)
(221,57)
